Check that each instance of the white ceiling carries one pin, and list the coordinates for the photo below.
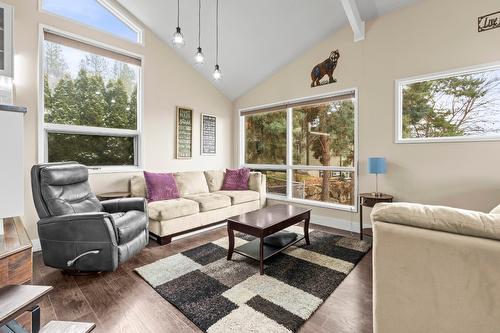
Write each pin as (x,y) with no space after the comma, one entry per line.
(256,37)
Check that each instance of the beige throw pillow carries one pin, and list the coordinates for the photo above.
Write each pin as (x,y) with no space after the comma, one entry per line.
(215,178)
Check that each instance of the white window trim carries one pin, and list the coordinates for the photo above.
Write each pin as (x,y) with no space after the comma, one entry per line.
(427,77)
(289,167)
(45,128)
(116,11)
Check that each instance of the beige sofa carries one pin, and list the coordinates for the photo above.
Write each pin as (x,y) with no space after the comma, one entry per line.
(435,269)
(202,202)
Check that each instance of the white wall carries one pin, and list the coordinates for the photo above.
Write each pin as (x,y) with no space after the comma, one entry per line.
(168,82)
(430,36)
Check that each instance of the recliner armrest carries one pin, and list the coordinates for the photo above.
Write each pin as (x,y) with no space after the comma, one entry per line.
(84,227)
(124,205)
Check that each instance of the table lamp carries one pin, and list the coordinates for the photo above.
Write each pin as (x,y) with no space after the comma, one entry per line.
(377,165)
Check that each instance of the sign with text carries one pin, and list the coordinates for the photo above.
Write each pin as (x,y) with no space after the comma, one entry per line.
(488,22)
(208,134)
(184,133)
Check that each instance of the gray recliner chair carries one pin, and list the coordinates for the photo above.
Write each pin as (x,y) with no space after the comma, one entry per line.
(79,233)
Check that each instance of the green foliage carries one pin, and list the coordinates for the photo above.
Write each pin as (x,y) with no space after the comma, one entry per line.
(265,138)
(446,107)
(88,101)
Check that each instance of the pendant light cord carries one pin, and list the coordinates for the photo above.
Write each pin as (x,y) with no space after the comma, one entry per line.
(217,34)
(199,23)
(178,10)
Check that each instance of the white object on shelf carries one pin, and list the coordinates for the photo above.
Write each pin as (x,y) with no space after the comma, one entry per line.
(11,154)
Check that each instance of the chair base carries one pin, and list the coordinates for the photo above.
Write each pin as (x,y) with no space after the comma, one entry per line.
(78,273)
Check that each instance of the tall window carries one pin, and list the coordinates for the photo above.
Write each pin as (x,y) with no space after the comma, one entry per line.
(99,14)
(307,149)
(456,106)
(90,99)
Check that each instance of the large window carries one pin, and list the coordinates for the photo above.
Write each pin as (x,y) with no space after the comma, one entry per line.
(455,106)
(307,149)
(99,14)
(90,104)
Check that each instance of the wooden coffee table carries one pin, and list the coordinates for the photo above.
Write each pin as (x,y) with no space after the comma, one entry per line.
(262,223)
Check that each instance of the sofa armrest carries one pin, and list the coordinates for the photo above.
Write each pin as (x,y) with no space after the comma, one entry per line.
(257,182)
(440,218)
(124,205)
(85,227)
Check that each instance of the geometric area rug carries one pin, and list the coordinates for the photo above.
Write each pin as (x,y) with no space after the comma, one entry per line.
(221,296)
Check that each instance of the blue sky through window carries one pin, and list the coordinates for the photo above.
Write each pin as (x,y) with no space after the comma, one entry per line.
(92,13)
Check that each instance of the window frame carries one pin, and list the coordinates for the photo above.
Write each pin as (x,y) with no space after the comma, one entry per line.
(45,128)
(289,167)
(114,10)
(398,139)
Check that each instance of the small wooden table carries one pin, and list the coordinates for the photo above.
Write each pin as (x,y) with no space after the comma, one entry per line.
(262,223)
(370,200)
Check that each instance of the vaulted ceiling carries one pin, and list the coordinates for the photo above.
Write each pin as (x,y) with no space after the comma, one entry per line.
(257,37)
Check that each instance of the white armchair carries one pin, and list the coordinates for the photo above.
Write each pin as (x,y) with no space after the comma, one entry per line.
(435,269)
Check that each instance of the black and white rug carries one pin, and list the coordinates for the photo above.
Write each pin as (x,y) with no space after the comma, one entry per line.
(231,296)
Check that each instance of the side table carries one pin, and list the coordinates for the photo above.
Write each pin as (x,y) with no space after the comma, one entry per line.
(369,200)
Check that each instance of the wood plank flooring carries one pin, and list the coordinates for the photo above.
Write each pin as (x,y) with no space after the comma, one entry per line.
(121,302)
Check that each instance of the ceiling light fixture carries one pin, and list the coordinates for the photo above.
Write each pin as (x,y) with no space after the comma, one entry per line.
(178,38)
(199,57)
(217,73)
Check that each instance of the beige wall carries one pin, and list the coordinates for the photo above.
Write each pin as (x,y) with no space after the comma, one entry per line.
(431,36)
(168,81)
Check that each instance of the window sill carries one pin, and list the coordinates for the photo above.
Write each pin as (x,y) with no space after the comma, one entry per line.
(351,209)
(117,169)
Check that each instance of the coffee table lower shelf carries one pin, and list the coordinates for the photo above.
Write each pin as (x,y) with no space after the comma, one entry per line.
(252,249)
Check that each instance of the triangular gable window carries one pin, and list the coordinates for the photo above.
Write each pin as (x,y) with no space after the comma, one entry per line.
(96,13)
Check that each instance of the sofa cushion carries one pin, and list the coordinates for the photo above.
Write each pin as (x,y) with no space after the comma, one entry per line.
(215,178)
(210,201)
(241,196)
(191,182)
(129,225)
(171,209)
(160,186)
(495,210)
(447,219)
(138,186)
(236,179)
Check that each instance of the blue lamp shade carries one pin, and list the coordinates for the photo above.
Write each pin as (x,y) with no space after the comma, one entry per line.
(377,165)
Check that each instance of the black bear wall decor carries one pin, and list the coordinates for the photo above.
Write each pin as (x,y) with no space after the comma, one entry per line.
(327,67)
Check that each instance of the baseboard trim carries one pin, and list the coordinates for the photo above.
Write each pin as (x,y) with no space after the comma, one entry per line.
(36,246)
(352,226)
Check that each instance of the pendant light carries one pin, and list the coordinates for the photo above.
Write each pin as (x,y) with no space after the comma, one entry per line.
(199,58)
(217,75)
(178,38)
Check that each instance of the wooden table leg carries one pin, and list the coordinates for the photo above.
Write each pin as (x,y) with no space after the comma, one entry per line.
(261,255)
(230,234)
(306,229)
(360,218)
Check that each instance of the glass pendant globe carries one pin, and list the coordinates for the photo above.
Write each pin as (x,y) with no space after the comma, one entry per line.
(178,38)
(217,75)
(199,58)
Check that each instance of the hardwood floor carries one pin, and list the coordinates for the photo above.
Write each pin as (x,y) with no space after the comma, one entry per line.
(121,302)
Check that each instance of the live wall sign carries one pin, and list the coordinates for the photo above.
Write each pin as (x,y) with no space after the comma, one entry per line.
(488,22)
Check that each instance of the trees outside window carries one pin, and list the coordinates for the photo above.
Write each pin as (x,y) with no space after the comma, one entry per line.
(320,163)
(458,106)
(90,107)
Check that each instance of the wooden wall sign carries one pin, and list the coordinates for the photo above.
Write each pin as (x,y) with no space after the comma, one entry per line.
(184,140)
(488,22)
(208,134)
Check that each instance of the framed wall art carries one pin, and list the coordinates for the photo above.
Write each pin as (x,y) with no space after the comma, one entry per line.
(208,134)
(184,124)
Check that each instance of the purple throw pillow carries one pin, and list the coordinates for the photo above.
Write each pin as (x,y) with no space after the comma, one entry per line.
(236,179)
(160,186)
